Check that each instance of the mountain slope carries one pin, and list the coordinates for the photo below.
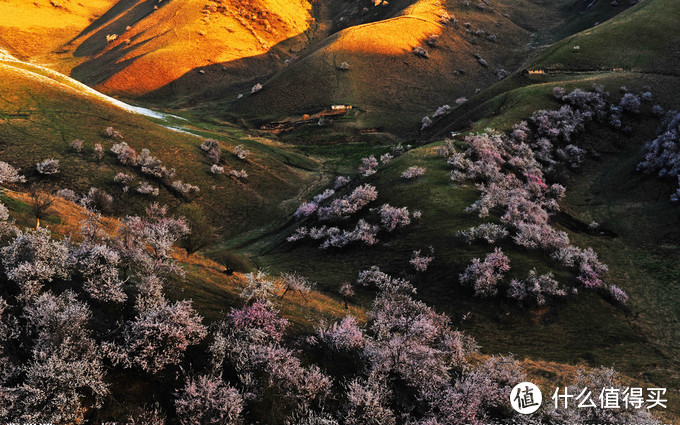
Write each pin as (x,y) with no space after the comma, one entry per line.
(395,86)
(133,47)
(206,53)
(638,43)
(469,48)
(43,111)
(40,28)
(643,38)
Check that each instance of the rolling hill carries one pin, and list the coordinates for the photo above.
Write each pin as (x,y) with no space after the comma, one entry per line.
(43,111)
(133,47)
(208,54)
(641,248)
(394,86)
(195,64)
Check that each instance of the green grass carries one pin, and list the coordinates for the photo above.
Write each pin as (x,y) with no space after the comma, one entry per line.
(554,334)
(254,217)
(22,215)
(643,257)
(640,38)
(585,329)
(397,89)
(40,119)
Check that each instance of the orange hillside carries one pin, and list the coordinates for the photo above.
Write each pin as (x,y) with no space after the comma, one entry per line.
(132,47)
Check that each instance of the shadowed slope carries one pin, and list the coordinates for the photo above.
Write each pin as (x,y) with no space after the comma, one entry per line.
(643,38)
(158,45)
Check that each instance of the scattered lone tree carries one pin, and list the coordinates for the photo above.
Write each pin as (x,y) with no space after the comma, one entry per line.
(347,291)
(40,203)
(200,234)
(296,283)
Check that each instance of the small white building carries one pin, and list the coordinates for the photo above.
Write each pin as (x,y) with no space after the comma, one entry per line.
(340,107)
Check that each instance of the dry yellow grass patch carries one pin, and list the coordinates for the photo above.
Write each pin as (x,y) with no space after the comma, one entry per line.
(38,27)
(393,36)
(70,216)
(305,312)
(137,48)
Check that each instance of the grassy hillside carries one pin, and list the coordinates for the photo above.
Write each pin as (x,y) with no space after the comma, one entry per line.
(643,255)
(204,54)
(552,333)
(39,29)
(198,56)
(639,43)
(394,86)
(214,293)
(42,114)
(640,39)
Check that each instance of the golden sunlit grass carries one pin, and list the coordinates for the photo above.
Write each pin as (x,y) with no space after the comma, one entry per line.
(157,46)
(69,216)
(304,311)
(150,43)
(393,36)
(43,111)
(40,27)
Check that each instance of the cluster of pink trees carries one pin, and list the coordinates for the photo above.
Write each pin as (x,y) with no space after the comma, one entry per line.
(213,153)
(241,152)
(413,172)
(552,133)
(157,337)
(332,236)
(421,262)
(147,163)
(212,150)
(308,208)
(331,206)
(387,219)
(70,311)
(207,399)
(590,269)
(59,368)
(248,345)
(441,111)
(489,232)
(344,207)
(341,209)
(392,217)
(535,289)
(409,366)
(510,174)
(9,174)
(662,155)
(48,167)
(485,277)
(152,167)
(368,166)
